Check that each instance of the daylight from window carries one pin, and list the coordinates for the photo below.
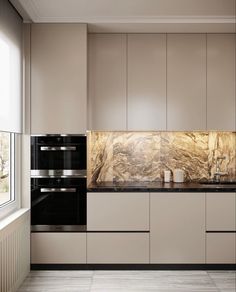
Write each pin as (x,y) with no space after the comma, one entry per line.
(5,185)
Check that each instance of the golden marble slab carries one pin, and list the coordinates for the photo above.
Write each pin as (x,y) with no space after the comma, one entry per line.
(143,156)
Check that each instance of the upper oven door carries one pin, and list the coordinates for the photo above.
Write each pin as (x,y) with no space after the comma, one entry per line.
(58,152)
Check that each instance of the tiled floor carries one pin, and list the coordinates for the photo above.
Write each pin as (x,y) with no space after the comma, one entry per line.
(127,281)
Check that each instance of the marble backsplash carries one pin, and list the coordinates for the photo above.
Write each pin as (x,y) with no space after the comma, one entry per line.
(143,156)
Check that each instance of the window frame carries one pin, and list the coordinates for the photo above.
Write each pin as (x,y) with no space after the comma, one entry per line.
(15,177)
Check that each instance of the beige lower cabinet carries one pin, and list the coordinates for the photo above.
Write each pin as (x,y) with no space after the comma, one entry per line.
(221,228)
(116,211)
(221,248)
(177,228)
(220,211)
(117,248)
(125,212)
(58,248)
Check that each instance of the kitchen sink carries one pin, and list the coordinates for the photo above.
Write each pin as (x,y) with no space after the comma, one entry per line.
(218,183)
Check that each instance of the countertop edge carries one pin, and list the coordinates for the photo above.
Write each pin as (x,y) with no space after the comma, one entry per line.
(183,188)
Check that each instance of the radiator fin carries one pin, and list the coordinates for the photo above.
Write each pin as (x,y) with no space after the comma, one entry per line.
(14,254)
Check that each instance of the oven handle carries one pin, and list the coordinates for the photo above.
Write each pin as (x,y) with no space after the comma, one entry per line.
(58,148)
(58,190)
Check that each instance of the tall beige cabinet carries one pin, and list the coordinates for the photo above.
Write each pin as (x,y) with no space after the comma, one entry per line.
(221,80)
(146,82)
(186,82)
(58,78)
(107,82)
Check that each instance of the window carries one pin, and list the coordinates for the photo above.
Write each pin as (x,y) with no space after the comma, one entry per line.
(10,109)
(7,146)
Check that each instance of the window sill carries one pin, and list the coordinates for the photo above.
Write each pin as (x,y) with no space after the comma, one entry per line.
(17,215)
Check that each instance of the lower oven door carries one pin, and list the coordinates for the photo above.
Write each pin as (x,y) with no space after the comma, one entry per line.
(58,204)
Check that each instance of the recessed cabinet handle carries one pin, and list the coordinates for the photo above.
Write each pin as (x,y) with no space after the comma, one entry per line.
(57,148)
(58,190)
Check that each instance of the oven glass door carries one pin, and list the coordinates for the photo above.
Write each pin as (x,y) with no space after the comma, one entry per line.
(58,152)
(58,204)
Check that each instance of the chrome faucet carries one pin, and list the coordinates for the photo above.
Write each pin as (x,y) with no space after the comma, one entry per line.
(219,173)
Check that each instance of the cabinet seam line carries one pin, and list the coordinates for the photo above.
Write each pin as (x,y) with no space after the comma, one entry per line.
(206,84)
(205,228)
(30,79)
(166,85)
(126,59)
(149,197)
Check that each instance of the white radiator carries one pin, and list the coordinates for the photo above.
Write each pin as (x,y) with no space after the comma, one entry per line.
(14,250)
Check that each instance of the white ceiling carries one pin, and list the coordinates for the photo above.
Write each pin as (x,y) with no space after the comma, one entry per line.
(134,15)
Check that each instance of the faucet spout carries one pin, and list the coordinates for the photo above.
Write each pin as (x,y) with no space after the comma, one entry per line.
(219,173)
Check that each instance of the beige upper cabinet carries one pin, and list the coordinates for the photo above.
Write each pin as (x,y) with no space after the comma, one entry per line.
(174,82)
(177,228)
(186,82)
(221,82)
(107,82)
(146,82)
(58,78)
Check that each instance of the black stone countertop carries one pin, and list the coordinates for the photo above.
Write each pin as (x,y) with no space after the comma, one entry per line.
(159,187)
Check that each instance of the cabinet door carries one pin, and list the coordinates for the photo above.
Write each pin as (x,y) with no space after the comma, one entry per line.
(118,248)
(117,211)
(220,212)
(146,82)
(221,82)
(177,228)
(58,78)
(58,248)
(107,82)
(186,82)
(221,248)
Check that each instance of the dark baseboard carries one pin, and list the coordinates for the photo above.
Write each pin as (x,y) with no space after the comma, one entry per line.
(133,266)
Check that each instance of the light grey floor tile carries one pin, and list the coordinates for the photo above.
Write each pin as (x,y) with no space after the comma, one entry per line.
(50,281)
(152,280)
(149,272)
(129,281)
(152,285)
(224,279)
(57,289)
(61,273)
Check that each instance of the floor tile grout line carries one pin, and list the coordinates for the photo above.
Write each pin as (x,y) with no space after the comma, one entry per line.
(218,289)
(91,285)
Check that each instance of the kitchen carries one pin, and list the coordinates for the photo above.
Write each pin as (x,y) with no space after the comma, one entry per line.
(119,136)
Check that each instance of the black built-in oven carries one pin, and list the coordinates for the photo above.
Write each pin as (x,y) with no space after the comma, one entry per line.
(58,204)
(58,152)
(58,182)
